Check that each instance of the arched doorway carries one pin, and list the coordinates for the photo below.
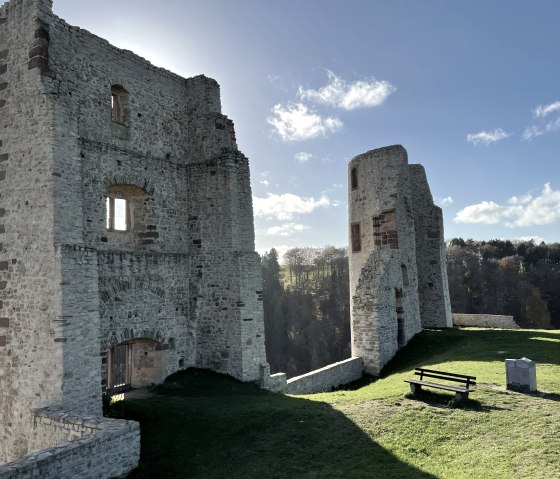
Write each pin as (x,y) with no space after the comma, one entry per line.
(133,364)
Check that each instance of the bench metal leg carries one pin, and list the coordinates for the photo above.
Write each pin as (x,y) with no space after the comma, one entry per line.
(461,396)
(414,388)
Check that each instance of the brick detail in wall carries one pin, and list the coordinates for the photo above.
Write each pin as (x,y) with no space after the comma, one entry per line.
(4,322)
(39,50)
(3,68)
(3,157)
(2,341)
(4,54)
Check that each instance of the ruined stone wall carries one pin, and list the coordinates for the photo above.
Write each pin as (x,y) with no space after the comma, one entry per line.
(183,274)
(433,287)
(383,276)
(327,378)
(33,344)
(72,446)
(484,321)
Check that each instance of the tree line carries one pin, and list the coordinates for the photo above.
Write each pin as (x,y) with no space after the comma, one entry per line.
(307,303)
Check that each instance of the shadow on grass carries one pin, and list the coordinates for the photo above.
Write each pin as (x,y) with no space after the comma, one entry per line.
(443,400)
(201,424)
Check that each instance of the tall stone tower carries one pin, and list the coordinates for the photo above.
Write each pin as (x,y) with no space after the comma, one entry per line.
(126,226)
(391,260)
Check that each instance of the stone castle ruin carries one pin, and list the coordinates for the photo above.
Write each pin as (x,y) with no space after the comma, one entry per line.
(398,275)
(127,246)
(126,228)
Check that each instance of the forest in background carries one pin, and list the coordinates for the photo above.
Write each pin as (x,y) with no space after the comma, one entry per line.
(306,295)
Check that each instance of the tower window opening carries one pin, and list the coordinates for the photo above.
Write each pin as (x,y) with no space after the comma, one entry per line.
(117,217)
(119,105)
(354,178)
(356,238)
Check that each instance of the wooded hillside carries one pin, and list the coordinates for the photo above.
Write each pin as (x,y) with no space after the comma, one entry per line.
(306,300)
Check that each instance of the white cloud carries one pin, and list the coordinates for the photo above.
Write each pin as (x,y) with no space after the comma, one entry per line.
(265,182)
(486,212)
(448,200)
(534,131)
(543,110)
(296,122)
(285,206)
(302,156)
(349,96)
(536,239)
(521,211)
(287,229)
(487,137)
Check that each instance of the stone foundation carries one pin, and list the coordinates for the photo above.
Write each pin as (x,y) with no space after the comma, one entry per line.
(327,378)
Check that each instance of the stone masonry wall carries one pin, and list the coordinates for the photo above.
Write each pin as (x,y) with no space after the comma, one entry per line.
(327,378)
(433,287)
(484,321)
(69,447)
(184,274)
(32,353)
(383,273)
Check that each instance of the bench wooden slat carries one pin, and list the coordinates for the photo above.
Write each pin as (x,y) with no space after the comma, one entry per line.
(438,386)
(445,377)
(447,374)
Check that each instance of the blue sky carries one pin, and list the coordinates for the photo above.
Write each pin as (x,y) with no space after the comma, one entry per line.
(470,89)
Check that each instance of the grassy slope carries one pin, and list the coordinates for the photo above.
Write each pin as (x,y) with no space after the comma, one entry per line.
(206,425)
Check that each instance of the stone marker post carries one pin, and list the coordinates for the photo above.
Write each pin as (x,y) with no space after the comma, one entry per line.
(521,375)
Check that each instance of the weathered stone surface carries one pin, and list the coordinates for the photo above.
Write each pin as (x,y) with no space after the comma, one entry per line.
(181,285)
(327,378)
(484,321)
(397,259)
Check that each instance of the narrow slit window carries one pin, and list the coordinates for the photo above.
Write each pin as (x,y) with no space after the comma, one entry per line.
(356,238)
(354,178)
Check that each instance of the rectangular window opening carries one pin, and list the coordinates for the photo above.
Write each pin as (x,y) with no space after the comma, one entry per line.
(354,178)
(356,237)
(117,214)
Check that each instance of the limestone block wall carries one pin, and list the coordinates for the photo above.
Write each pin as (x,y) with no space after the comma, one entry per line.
(433,286)
(327,378)
(484,321)
(69,446)
(383,273)
(33,310)
(82,122)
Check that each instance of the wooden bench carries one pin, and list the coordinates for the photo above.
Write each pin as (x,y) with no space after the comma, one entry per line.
(461,392)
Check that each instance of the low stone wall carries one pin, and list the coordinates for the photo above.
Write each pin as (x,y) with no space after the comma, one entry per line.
(69,446)
(484,321)
(326,378)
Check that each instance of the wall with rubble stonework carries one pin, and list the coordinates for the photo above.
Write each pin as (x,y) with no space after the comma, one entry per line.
(398,280)
(69,446)
(184,276)
(484,321)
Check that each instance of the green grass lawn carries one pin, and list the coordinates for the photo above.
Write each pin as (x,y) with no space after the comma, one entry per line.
(203,425)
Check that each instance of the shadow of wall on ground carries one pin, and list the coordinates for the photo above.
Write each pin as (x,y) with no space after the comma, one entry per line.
(202,425)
